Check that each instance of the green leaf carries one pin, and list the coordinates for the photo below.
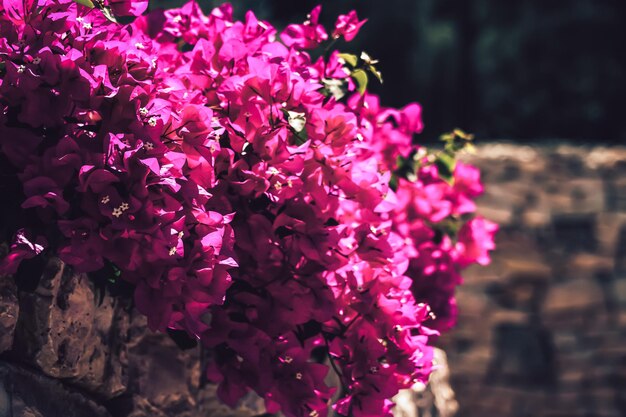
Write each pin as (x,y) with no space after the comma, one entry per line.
(447,137)
(393,183)
(360,77)
(450,226)
(108,14)
(183,46)
(372,69)
(457,141)
(400,161)
(301,137)
(463,135)
(350,59)
(446,164)
(86,3)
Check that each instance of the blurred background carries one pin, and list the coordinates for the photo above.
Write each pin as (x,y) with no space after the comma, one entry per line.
(524,70)
(542,330)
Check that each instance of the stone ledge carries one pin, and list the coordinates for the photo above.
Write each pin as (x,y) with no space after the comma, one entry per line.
(30,394)
(9,310)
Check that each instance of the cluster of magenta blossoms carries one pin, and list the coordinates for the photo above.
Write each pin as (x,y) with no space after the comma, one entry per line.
(251,194)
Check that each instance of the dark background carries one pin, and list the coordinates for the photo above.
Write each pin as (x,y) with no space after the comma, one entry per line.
(522,70)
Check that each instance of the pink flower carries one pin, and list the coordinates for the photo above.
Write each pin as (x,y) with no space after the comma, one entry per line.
(476,239)
(467,187)
(23,247)
(225,176)
(19,11)
(85,248)
(128,7)
(308,35)
(348,26)
(422,201)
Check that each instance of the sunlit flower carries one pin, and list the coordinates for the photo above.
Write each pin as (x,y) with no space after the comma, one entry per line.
(247,192)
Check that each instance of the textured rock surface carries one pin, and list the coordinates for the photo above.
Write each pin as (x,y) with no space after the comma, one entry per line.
(63,331)
(9,309)
(79,352)
(167,381)
(24,393)
(542,330)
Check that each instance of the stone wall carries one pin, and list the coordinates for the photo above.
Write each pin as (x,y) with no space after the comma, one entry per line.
(542,330)
(68,351)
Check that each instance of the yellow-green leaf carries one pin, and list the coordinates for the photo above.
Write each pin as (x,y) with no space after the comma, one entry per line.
(360,78)
(350,59)
(446,164)
(109,14)
(376,73)
(87,3)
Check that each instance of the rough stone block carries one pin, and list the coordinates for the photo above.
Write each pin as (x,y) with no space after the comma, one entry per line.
(588,266)
(508,316)
(565,341)
(587,195)
(9,309)
(619,291)
(165,380)
(67,334)
(617,194)
(575,232)
(537,217)
(523,356)
(575,295)
(571,378)
(522,292)
(471,303)
(608,231)
(503,216)
(25,393)
(526,266)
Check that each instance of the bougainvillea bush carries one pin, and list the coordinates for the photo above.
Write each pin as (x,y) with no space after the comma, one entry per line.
(247,186)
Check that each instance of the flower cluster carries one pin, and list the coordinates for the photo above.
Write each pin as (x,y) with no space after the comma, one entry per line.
(428,208)
(251,194)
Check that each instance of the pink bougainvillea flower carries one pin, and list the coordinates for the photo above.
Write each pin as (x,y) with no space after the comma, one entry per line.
(23,247)
(127,7)
(476,240)
(307,35)
(228,178)
(348,26)
(19,11)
